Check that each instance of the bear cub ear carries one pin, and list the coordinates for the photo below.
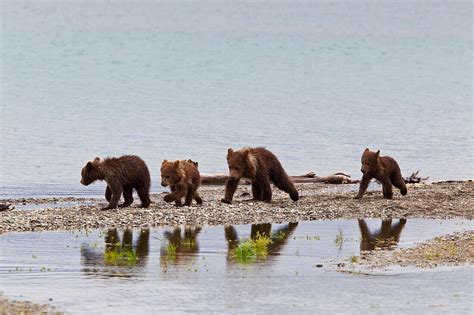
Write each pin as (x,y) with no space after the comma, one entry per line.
(176,163)
(163,163)
(229,151)
(366,150)
(377,153)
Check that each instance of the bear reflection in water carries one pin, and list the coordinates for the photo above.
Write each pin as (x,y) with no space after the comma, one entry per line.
(181,246)
(385,238)
(116,254)
(279,237)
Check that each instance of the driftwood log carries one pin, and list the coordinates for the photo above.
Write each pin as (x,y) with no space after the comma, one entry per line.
(414,178)
(337,178)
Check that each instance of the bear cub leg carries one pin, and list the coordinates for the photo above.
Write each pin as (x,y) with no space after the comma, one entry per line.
(197,198)
(284,183)
(230,188)
(364,183)
(189,197)
(257,191)
(387,188)
(108,194)
(116,193)
(266,189)
(144,195)
(176,194)
(127,196)
(399,182)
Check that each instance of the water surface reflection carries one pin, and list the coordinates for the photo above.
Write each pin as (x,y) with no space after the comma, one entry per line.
(118,256)
(119,271)
(279,237)
(387,237)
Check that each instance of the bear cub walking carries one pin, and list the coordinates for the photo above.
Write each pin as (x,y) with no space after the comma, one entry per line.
(262,167)
(122,174)
(184,179)
(384,169)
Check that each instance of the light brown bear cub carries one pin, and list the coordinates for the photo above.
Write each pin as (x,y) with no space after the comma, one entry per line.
(262,167)
(122,174)
(184,179)
(384,169)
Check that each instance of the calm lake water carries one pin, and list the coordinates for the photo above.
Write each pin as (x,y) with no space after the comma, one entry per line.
(74,269)
(315,82)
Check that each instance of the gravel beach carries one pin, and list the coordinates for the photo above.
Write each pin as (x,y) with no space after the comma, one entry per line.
(318,202)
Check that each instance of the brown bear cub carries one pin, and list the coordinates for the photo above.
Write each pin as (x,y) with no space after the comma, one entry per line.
(260,166)
(384,169)
(184,179)
(122,174)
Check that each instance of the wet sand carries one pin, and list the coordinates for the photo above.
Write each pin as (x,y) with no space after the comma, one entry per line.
(318,202)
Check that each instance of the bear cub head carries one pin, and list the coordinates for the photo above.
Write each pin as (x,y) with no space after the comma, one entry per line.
(370,161)
(171,173)
(241,163)
(90,172)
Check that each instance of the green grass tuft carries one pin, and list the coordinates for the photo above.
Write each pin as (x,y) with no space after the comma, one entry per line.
(121,256)
(252,249)
(339,239)
(171,251)
(354,259)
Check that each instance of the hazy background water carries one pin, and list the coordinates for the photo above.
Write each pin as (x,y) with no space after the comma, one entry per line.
(315,82)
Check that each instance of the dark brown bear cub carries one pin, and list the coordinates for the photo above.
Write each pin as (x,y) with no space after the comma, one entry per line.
(183,179)
(262,168)
(122,175)
(384,169)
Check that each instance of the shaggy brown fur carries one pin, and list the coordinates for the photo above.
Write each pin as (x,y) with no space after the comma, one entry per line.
(183,179)
(261,167)
(195,163)
(384,169)
(122,175)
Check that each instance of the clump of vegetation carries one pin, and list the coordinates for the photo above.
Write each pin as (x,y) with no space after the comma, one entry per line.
(261,243)
(252,249)
(121,256)
(245,252)
(353,259)
(171,251)
(339,239)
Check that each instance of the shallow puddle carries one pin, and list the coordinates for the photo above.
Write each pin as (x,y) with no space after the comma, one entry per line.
(194,269)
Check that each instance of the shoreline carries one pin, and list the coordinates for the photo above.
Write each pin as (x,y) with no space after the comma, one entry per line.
(318,202)
(449,250)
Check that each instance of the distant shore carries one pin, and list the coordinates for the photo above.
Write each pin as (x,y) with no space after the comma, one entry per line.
(318,202)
